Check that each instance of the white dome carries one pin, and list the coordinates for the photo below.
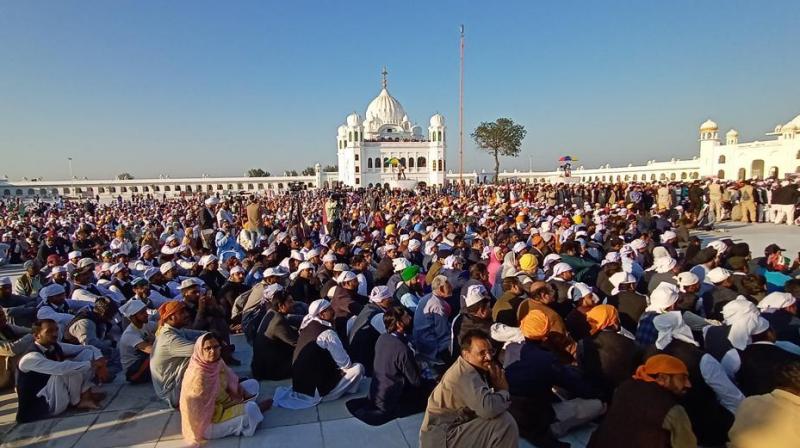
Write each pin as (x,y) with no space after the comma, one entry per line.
(342,130)
(794,124)
(405,118)
(386,109)
(353,120)
(708,125)
(437,120)
(732,133)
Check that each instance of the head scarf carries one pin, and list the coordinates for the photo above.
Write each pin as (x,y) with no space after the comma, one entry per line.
(602,317)
(535,325)
(671,326)
(579,290)
(169,308)
(663,264)
(742,316)
(775,301)
(379,294)
(663,297)
(199,389)
(314,309)
(660,364)
(620,278)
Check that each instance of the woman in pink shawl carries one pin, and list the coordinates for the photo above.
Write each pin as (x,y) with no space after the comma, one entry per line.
(214,404)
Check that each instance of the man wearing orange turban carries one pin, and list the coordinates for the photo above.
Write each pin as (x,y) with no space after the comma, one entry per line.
(173,347)
(645,409)
(533,369)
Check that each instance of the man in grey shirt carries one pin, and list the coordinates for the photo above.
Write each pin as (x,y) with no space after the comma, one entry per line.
(172,350)
(92,326)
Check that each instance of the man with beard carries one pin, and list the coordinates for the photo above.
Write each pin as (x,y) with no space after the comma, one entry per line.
(408,292)
(645,409)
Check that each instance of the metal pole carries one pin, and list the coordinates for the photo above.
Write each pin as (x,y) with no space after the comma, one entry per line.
(461,113)
(71,177)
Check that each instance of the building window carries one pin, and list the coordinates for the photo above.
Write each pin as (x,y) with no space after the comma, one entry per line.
(721,159)
(403,161)
(358,169)
(411,162)
(798,155)
(441,165)
(358,180)
(369,163)
(356,157)
(421,162)
(721,174)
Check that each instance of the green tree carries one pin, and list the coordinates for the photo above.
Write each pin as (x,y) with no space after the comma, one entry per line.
(290,173)
(500,138)
(330,168)
(257,172)
(309,171)
(124,176)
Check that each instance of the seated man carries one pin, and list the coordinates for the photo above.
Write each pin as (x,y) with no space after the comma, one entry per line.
(645,410)
(770,420)
(54,306)
(431,329)
(92,326)
(53,375)
(136,343)
(172,349)
(368,326)
(469,407)
(321,368)
(275,339)
(533,370)
(476,315)
(397,390)
(206,314)
(20,310)
(14,341)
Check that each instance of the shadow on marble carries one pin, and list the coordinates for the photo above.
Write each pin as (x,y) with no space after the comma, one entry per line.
(173,429)
(276,417)
(351,432)
(54,432)
(305,435)
(111,390)
(230,442)
(125,428)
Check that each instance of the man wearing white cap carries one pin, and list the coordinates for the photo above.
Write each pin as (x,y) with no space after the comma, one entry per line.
(20,310)
(561,281)
(662,300)
(740,318)
(780,309)
(210,274)
(721,293)
(757,366)
(476,316)
(345,301)
(136,343)
(54,306)
(368,326)
(662,271)
(73,257)
(629,302)
(303,287)
(322,370)
(325,272)
(232,289)
(207,221)
(385,267)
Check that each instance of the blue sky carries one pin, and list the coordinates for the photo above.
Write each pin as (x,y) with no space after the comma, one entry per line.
(192,87)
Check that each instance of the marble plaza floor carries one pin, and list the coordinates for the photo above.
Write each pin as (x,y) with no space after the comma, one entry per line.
(131,416)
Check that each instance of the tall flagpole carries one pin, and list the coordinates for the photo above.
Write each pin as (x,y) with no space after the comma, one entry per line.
(461,113)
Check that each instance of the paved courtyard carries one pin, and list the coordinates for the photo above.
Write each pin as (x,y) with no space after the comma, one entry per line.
(131,416)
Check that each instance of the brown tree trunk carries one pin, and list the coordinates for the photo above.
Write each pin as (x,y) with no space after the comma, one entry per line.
(496,167)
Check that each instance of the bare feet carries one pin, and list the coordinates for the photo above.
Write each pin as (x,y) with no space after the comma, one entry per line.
(265,405)
(87,403)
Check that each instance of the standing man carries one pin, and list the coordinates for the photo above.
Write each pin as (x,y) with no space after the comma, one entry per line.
(469,407)
(715,199)
(747,198)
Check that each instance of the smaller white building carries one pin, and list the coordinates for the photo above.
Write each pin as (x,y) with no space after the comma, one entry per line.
(375,150)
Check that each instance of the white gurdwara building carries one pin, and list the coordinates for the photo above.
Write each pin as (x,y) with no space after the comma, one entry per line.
(385,148)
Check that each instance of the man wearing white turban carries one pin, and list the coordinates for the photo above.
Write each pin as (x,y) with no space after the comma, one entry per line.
(663,299)
(321,368)
(713,398)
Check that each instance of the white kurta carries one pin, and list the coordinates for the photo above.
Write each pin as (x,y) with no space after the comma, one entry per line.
(285,397)
(68,379)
